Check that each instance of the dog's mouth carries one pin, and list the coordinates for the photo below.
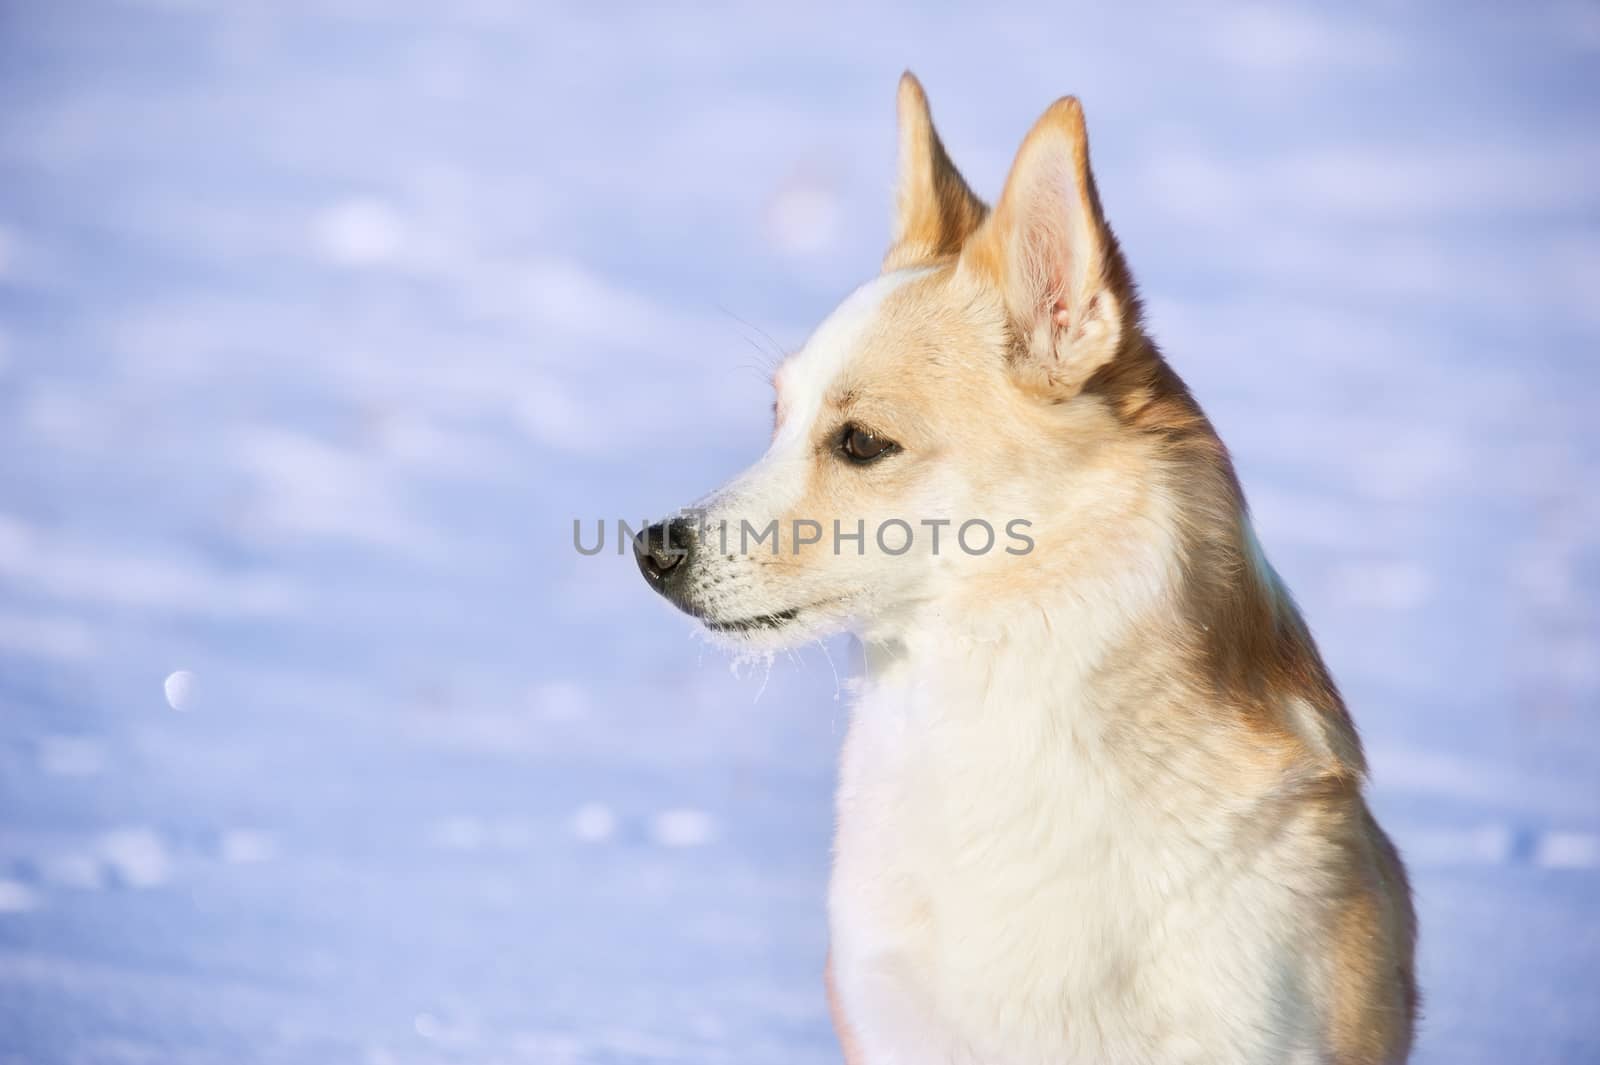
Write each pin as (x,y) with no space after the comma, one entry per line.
(774,620)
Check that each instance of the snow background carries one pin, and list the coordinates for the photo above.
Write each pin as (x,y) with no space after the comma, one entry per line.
(319,324)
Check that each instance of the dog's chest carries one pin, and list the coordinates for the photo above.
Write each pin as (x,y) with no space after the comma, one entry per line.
(1005,893)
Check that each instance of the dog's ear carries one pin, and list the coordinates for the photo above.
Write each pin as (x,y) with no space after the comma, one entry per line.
(935,211)
(1048,251)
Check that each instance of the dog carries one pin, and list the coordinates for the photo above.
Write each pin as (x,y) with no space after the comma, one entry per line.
(1099,800)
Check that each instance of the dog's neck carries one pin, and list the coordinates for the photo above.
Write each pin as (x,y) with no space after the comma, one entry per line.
(1049,646)
(1213,650)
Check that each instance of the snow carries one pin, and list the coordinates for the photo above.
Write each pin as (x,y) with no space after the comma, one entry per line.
(594,822)
(320,324)
(179,689)
(16,897)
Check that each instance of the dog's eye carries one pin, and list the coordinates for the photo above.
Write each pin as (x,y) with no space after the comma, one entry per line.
(860,446)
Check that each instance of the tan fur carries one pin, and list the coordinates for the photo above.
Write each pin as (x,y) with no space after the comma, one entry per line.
(936,211)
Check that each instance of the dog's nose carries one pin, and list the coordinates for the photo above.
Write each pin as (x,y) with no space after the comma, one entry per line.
(662,549)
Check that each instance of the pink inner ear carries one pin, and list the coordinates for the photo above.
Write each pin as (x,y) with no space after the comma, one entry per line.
(1054,229)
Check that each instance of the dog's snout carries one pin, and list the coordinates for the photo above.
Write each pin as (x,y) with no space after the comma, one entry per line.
(663,549)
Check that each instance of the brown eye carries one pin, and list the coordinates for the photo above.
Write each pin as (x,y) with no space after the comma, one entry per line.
(861,447)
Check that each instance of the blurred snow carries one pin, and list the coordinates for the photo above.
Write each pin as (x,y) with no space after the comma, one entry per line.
(594,822)
(359,233)
(320,323)
(243,846)
(138,856)
(16,897)
(683,828)
(803,216)
(71,756)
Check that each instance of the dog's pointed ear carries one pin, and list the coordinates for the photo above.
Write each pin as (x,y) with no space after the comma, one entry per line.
(935,211)
(1048,251)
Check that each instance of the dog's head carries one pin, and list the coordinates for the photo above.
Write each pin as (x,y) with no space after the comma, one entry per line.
(939,442)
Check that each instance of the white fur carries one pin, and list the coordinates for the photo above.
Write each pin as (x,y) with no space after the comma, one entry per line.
(1002,896)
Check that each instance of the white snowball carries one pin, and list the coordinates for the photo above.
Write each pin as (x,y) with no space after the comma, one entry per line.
(180,690)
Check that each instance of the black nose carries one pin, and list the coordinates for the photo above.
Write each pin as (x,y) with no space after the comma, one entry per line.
(662,549)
